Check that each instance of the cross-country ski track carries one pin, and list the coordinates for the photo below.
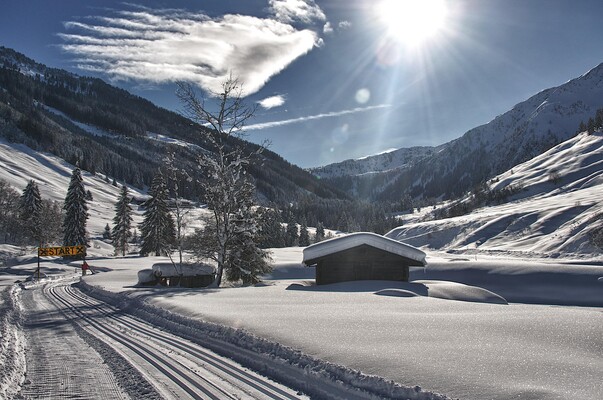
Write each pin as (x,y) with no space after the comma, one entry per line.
(172,367)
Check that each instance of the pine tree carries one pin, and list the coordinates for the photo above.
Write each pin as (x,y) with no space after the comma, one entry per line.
(320,233)
(122,222)
(272,233)
(9,213)
(599,119)
(304,235)
(291,234)
(248,262)
(30,210)
(591,126)
(157,228)
(76,212)
(107,232)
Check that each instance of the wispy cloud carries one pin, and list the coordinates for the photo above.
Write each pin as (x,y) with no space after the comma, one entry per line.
(273,124)
(159,46)
(272,101)
(305,11)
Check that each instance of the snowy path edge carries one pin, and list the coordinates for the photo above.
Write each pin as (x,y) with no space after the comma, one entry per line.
(12,344)
(289,366)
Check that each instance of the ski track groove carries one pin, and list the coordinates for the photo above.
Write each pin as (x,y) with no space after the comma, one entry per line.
(206,356)
(174,370)
(133,329)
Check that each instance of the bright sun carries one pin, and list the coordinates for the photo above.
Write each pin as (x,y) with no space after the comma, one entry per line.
(412,21)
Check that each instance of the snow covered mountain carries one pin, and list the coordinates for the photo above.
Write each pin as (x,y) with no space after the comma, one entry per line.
(380,163)
(527,130)
(553,208)
(110,131)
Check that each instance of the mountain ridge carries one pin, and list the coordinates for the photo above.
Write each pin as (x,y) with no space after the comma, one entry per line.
(50,110)
(526,130)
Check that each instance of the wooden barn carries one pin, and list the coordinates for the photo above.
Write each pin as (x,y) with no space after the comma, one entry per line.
(362,256)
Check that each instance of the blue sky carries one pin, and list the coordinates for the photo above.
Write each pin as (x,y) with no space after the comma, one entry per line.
(334,79)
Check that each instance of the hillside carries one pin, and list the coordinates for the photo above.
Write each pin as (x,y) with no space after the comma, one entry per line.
(529,129)
(110,131)
(554,207)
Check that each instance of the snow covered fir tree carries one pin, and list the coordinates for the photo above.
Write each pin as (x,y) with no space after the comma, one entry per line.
(76,212)
(30,210)
(122,222)
(157,229)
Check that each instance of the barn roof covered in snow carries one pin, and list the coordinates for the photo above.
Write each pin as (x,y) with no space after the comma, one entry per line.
(328,247)
(169,269)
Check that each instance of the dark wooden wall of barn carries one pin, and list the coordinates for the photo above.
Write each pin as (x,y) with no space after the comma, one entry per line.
(361,263)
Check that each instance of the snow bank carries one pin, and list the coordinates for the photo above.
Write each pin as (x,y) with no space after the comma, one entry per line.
(520,281)
(12,343)
(461,292)
(444,290)
(396,293)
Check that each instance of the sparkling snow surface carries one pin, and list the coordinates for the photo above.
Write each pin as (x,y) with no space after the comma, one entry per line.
(467,349)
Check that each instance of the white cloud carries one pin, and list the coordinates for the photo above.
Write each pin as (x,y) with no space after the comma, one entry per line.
(327,28)
(305,11)
(160,46)
(272,101)
(344,25)
(273,124)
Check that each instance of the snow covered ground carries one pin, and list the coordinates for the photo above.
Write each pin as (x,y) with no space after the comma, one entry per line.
(452,338)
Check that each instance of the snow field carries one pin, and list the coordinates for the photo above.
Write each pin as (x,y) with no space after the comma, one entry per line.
(470,350)
(313,376)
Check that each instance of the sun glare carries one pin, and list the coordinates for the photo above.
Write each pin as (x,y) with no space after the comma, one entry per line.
(412,21)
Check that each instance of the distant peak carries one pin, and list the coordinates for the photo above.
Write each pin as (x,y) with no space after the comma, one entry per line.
(596,71)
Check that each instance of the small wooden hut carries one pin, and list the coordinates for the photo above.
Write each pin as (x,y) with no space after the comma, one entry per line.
(186,275)
(362,256)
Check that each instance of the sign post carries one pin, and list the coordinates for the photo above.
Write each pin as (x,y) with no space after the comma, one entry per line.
(79,250)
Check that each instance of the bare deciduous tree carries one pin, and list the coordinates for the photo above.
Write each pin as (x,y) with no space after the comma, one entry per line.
(227,187)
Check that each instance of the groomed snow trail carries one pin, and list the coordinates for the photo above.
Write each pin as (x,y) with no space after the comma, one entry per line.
(177,368)
(60,364)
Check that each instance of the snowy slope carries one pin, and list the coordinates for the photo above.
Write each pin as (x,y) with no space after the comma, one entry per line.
(19,164)
(552,215)
(384,162)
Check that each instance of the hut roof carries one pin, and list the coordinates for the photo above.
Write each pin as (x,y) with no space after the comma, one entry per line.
(168,269)
(319,250)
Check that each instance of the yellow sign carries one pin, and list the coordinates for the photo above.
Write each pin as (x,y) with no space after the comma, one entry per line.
(62,251)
